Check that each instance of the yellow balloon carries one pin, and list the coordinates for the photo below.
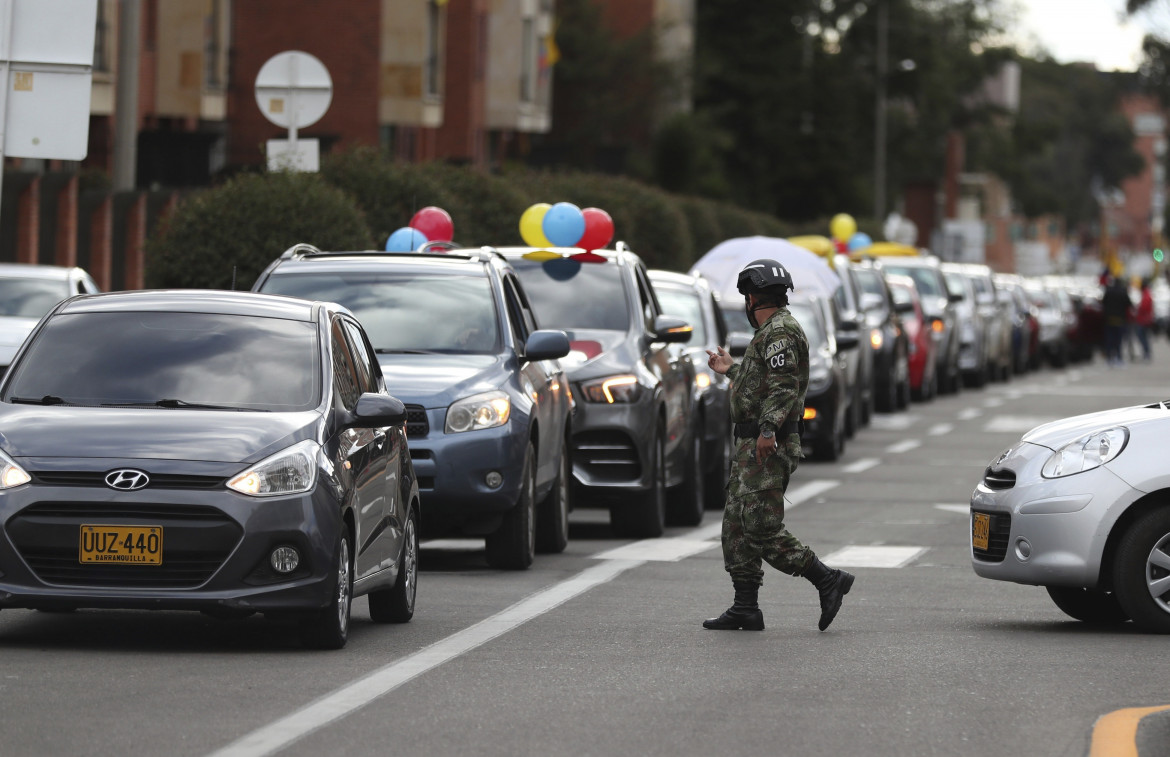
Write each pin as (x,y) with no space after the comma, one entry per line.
(532,225)
(842,227)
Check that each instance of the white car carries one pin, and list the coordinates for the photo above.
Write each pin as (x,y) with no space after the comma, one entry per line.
(1081,506)
(27,292)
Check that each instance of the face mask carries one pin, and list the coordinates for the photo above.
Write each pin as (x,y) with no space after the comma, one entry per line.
(751,312)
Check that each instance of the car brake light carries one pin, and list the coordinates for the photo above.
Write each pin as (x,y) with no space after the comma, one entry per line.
(586,347)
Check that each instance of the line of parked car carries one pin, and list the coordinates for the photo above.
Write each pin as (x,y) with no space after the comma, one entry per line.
(236,453)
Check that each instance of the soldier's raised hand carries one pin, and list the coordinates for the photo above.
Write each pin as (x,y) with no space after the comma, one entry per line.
(719,361)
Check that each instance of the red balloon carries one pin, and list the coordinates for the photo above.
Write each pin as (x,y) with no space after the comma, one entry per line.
(434,223)
(598,229)
(841,246)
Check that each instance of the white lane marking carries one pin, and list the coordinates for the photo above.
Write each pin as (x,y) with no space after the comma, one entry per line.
(862,465)
(969,414)
(993,402)
(454,545)
(806,491)
(903,446)
(276,736)
(961,509)
(941,429)
(899,422)
(1014,394)
(659,550)
(1075,375)
(858,556)
(1016,423)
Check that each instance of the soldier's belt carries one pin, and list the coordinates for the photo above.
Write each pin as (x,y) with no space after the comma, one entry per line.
(751,429)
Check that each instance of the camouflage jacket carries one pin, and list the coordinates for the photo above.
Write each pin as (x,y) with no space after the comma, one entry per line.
(768,387)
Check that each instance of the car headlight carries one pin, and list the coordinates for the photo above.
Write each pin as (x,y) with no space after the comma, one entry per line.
(819,374)
(612,389)
(11,474)
(292,471)
(702,380)
(876,339)
(486,410)
(1086,453)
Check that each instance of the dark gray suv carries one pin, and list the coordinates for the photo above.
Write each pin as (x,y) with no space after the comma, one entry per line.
(197,450)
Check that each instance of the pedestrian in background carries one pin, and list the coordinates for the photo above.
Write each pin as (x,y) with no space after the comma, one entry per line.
(1115,307)
(767,403)
(1143,319)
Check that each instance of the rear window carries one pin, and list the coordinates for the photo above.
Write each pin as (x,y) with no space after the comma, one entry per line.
(30,298)
(685,305)
(407,313)
(129,358)
(568,294)
(871,282)
(928,280)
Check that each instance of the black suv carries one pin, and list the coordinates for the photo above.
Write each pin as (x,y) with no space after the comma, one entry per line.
(633,431)
(217,451)
(489,406)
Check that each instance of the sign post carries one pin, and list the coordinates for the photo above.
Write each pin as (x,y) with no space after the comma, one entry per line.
(46,72)
(293,90)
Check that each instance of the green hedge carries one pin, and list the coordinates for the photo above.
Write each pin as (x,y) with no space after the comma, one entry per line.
(362,195)
(245,224)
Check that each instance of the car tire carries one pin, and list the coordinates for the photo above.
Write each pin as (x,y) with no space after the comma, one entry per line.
(715,480)
(552,518)
(1143,561)
(512,546)
(329,628)
(830,449)
(1092,606)
(853,417)
(396,604)
(887,402)
(685,505)
(867,407)
(644,515)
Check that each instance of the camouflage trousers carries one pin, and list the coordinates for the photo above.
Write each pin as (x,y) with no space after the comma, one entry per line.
(753,532)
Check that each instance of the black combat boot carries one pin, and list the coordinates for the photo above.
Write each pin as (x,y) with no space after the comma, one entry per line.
(744,614)
(833,586)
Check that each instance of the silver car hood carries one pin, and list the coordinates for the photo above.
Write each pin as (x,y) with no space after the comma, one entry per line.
(1059,433)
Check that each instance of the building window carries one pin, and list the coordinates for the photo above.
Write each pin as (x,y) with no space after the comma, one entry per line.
(528,62)
(101,40)
(433,46)
(212,44)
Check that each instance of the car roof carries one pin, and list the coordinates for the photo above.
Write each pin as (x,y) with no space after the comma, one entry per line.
(198,301)
(31,271)
(467,262)
(659,277)
(621,254)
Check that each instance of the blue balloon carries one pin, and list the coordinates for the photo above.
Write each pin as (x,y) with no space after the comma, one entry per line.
(563,224)
(405,239)
(859,240)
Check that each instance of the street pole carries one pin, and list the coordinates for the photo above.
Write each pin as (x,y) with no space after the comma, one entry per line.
(126,97)
(879,126)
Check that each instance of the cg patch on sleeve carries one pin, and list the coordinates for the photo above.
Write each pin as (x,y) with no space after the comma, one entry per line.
(774,354)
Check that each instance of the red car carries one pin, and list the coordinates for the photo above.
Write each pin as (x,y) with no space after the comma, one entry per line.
(923,372)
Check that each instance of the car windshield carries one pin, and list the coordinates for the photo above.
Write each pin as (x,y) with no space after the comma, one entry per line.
(814,332)
(30,298)
(901,295)
(870,281)
(926,279)
(568,294)
(685,305)
(132,358)
(737,321)
(957,284)
(404,312)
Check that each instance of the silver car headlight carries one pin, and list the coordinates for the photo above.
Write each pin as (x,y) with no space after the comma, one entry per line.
(819,373)
(1086,453)
(486,410)
(11,474)
(291,471)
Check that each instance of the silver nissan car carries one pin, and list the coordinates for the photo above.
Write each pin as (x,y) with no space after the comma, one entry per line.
(1081,507)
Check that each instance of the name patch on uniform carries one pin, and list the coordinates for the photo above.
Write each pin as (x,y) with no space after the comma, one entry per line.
(774,354)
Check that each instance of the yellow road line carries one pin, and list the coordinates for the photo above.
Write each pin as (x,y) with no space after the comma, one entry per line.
(1115,734)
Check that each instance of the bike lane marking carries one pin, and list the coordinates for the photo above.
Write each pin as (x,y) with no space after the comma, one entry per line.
(1115,734)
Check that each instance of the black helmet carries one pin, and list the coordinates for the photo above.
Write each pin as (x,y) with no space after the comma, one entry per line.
(760,276)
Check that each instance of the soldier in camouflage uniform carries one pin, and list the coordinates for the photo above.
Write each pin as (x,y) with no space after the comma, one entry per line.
(767,401)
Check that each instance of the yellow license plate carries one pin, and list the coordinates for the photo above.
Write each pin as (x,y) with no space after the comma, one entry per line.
(121,545)
(980,530)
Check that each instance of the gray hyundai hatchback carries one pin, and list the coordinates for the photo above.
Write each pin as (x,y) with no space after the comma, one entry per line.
(197,450)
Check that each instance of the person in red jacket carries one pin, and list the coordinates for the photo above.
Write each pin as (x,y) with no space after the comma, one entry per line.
(1143,319)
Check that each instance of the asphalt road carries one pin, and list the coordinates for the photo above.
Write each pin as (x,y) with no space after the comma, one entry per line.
(599,651)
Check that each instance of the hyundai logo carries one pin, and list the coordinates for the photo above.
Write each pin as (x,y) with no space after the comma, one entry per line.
(126,479)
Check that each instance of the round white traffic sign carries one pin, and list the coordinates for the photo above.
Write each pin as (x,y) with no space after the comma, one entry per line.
(293,89)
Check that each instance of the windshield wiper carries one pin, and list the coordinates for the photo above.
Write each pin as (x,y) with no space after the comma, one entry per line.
(388,351)
(174,403)
(48,399)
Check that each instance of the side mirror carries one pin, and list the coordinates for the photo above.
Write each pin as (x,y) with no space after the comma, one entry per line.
(738,343)
(955,296)
(667,328)
(901,308)
(546,344)
(375,410)
(849,324)
(847,340)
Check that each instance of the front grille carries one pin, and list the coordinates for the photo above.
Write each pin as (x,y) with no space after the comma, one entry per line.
(607,455)
(416,421)
(157,480)
(997,542)
(196,541)
(999,480)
